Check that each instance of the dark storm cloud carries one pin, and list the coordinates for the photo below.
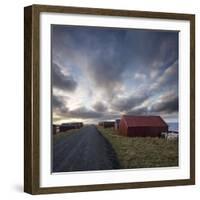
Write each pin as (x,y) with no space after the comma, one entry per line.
(132,52)
(168,78)
(57,101)
(84,113)
(60,108)
(62,81)
(128,103)
(62,111)
(138,111)
(166,106)
(59,104)
(107,78)
(100,107)
(151,49)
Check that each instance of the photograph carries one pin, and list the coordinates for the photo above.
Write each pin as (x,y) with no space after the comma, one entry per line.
(114,98)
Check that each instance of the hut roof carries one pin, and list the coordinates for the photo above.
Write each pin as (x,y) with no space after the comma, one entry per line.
(144,121)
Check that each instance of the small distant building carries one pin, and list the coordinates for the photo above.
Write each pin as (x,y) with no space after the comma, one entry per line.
(107,124)
(68,126)
(65,127)
(55,129)
(117,121)
(78,124)
(142,126)
(100,123)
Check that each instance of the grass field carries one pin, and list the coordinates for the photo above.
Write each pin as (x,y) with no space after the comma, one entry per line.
(142,152)
(62,135)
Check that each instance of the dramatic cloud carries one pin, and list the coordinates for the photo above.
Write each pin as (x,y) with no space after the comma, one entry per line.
(83,113)
(59,104)
(167,105)
(167,78)
(57,101)
(61,110)
(107,72)
(128,103)
(62,81)
(138,111)
(100,107)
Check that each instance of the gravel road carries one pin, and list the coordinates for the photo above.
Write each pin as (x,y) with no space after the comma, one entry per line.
(84,150)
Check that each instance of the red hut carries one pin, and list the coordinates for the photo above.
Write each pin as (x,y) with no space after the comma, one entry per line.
(142,126)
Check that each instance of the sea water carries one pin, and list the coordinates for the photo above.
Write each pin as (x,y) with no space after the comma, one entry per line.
(173,126)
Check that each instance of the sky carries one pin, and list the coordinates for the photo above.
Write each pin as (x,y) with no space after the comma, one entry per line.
(102,73)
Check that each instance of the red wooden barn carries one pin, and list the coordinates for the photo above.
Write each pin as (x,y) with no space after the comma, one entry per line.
(142,126)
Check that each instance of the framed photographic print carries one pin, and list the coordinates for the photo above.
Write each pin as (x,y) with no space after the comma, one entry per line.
(109,99)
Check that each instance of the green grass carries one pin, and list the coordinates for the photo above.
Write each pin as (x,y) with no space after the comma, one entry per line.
(142,152)
(62,135)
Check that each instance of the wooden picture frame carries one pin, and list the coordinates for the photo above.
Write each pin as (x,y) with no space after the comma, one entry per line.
(32,107)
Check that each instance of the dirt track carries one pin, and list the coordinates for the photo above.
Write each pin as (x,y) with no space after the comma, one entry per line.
(85,150)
